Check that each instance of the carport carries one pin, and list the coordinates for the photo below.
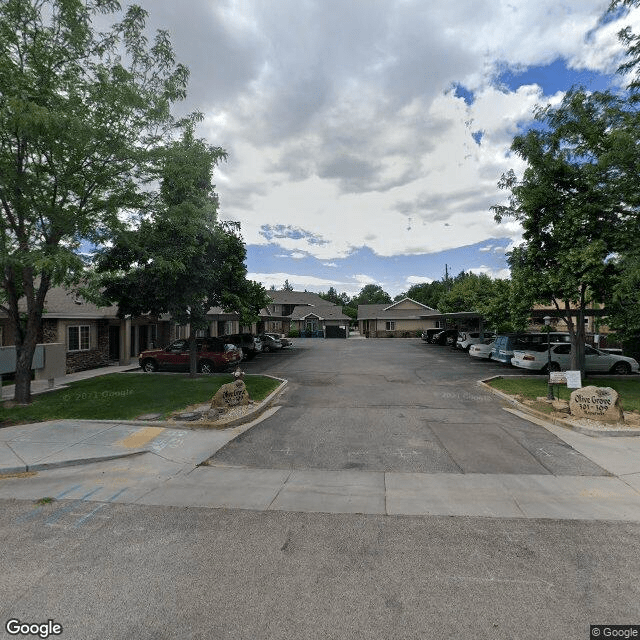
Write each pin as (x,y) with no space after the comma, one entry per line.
(462,320)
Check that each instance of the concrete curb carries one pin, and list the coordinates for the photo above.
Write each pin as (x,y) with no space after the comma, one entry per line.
(250,416)
(59,464)
(594,433)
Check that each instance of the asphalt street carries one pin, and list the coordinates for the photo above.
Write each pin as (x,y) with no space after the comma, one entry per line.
(139,572)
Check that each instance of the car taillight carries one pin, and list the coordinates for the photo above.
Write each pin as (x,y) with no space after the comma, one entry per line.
(528,357)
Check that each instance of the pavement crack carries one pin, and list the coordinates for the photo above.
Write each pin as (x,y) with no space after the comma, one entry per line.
(279,491)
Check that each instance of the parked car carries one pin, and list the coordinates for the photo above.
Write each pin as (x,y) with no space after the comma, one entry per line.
(270,343)
(467,338)
(448,336)
(213,355)
(505,344)
(428,334)
(482,349)
(535,357)
(284,341)
(245,342)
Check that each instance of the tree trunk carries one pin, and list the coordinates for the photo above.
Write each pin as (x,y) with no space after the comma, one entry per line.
(193,354)
(26,333)
(577,348)
(26,340)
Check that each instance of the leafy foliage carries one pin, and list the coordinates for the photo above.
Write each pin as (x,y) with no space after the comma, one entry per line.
(371,294)
(181,261)
(78,127)
(576,203)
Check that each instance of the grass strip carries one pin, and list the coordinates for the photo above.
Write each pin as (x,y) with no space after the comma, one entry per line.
(125,396)
(531,388)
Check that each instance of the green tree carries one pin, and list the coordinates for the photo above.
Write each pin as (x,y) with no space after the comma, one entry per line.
(286,286)
(371,294)
(77,127)
(575,203)
(491,298)
(180,260)
(340,299)
(427,293)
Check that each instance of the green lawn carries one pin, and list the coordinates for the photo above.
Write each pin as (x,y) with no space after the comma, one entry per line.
(628,387)
(120,396)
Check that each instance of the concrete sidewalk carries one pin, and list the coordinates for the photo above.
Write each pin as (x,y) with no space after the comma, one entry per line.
(169,470)
(65,443)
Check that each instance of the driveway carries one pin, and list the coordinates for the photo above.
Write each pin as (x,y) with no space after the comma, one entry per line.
(396,405)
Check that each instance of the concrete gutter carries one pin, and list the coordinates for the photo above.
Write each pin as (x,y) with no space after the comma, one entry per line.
(560,422)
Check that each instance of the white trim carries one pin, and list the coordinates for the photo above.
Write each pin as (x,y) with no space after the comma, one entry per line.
(424,306)
(80,337)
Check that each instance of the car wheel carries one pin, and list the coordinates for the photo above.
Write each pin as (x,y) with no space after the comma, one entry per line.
(206,367)
(621,368)
(149,366)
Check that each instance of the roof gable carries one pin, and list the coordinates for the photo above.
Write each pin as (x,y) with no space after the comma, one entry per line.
(407,303)
(298,298)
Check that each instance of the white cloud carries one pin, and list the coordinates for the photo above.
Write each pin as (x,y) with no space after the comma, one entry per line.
(411,280)
(340,119)
(490,271)
(298,282)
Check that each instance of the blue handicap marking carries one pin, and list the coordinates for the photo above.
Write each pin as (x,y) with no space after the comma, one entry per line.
(38,510)
(100,506)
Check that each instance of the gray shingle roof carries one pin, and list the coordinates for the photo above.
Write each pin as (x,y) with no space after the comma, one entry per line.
(297,297)
(326,312)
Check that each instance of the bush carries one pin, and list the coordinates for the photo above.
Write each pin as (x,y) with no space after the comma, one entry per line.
(293,333)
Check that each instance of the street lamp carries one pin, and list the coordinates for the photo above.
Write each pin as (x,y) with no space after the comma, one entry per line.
(547,323)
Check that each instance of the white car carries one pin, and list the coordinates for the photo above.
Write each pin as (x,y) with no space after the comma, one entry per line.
(482,349)
(595,361)
(467,338)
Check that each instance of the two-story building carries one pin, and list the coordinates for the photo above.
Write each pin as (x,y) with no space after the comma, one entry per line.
(304,312)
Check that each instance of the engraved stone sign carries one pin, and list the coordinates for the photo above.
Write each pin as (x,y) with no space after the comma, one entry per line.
(596,403)
(231,395)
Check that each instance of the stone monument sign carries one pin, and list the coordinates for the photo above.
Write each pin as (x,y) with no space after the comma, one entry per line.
(596,403)
(231,395)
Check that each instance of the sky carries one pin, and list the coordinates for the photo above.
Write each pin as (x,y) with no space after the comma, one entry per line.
(366,138)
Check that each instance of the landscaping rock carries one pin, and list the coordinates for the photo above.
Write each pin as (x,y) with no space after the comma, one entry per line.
(191,416)
(562,406)
(150,416)
(231,395)
(597,403)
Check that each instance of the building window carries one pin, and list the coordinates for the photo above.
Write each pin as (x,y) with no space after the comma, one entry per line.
(391,325)
(79,338)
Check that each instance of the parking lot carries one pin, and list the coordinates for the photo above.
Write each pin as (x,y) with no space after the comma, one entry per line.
(394,405)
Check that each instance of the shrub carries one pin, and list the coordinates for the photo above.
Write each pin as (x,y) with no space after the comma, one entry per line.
(293,333)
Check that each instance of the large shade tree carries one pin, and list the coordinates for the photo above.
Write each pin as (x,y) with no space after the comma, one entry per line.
(575,203)
(80,112)
(178,258)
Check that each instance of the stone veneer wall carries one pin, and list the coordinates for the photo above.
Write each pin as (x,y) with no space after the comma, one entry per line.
(94,358)
(49,331)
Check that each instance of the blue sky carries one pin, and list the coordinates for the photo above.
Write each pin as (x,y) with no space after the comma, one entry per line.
(366,139)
